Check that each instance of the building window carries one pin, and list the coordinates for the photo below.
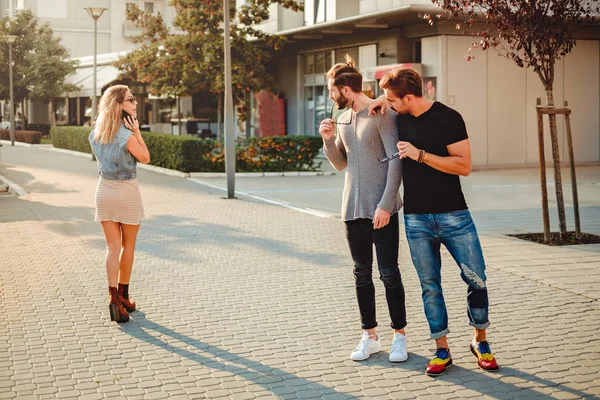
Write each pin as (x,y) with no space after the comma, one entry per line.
(317,11)
(340,55)
(316,96)
(149,7)
(417,52)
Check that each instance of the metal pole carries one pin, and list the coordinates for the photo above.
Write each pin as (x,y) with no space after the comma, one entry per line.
(94,104)
(229,119)
(12,100)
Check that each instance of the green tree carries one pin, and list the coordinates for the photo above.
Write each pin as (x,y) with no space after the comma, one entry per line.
(531,33)
(40,62)
(190,59)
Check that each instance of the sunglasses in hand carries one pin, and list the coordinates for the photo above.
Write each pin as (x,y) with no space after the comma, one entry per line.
(340,123)
(386,158)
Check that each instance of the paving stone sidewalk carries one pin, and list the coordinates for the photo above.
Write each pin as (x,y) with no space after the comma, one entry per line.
(240,299)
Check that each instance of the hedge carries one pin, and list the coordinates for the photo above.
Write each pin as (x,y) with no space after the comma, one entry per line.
(43,128)
(193,154)
(33,137)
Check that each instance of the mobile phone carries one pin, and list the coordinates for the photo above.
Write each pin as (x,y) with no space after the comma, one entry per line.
(125,114)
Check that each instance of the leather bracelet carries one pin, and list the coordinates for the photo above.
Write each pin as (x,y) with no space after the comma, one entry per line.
(421,155)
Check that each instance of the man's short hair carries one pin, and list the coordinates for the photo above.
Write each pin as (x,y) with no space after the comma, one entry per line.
(403,81)
(346,74)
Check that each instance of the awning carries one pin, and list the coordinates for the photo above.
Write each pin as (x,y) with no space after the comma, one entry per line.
(376,73)
(84,79)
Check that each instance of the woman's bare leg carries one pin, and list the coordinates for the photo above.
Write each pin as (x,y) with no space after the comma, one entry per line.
(128,239)
(112,235)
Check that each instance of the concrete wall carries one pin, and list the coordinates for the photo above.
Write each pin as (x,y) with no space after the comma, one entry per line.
(497,100)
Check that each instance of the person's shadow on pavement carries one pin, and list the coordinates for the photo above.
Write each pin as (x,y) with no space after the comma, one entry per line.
(493,384)
(218,358)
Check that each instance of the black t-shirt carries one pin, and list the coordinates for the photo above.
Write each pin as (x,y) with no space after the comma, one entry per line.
(427,190)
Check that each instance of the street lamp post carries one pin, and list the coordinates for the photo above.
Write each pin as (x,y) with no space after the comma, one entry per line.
(95,13)
(11,39)
(229,117)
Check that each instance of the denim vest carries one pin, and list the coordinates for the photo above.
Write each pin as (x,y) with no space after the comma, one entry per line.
(115,162)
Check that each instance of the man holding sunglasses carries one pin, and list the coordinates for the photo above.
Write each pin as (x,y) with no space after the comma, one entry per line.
(435,150)
(371,202)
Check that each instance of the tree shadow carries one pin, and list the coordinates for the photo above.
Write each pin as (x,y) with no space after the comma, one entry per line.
(214,357)
(25,179)
(176,239)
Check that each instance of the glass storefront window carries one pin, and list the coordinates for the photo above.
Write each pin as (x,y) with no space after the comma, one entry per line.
(320,63)
(316,95)
(320,106)
(167,109)
(340,55)
(309,109)
(309,64)
(60,112)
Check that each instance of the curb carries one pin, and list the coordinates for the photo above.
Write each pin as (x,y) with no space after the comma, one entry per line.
(65,151)
(164,171)
(18,144)
(13,187)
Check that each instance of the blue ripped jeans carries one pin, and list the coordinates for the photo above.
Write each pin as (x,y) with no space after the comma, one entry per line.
(456,231)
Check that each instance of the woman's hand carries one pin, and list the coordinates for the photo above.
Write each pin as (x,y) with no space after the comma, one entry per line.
(132,124)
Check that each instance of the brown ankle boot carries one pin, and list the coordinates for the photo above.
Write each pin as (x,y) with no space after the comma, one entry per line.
(128,304)
(117,311)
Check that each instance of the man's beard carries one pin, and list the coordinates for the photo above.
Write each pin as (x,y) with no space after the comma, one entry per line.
(342,102)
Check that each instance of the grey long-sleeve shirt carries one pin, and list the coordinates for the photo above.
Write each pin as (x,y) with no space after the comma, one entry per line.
(355,148)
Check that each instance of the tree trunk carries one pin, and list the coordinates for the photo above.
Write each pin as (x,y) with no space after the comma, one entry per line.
(542,159)
(556,158)
(51,114)
(220,115)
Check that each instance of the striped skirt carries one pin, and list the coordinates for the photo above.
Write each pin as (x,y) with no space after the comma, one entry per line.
(119,201)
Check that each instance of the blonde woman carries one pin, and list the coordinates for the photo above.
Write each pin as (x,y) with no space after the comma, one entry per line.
(118,145)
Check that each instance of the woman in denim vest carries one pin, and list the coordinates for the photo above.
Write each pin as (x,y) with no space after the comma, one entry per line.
(118,146)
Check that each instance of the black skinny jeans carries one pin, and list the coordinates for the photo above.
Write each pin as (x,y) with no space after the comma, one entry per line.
(361,237)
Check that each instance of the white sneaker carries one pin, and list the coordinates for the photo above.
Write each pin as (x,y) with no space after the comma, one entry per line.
(365,348)
(398,353)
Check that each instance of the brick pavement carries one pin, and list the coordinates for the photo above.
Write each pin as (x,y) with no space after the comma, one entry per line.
(240,299)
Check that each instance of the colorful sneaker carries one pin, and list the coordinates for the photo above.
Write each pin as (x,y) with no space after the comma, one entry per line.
(439,363)
(485,358)
(367,346)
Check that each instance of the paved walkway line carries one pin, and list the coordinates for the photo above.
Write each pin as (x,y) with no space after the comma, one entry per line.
(316,213)
(13,187)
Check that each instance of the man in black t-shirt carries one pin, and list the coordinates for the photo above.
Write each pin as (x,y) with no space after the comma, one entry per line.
(435,150)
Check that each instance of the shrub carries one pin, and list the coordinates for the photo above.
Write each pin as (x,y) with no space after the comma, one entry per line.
(43,128)
(71,138)
(192,154)
(33,137)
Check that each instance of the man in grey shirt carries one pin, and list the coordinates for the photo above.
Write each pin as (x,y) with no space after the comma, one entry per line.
(366,148)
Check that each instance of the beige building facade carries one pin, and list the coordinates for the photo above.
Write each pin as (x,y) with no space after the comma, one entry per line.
(496,98)
(73,25)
